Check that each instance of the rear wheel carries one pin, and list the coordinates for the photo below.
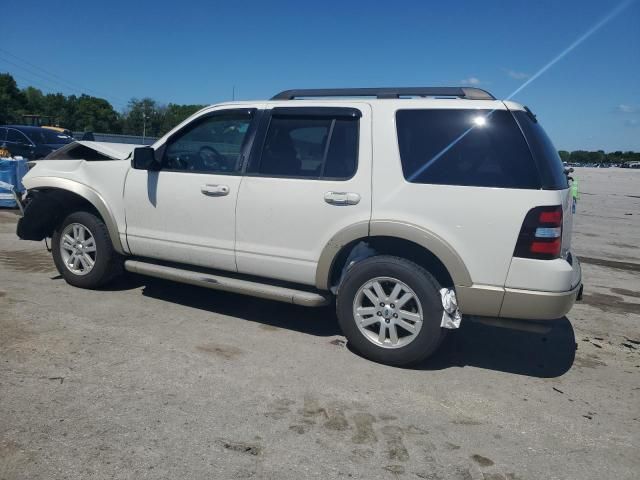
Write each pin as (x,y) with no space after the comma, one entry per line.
(390,310)
(83,253)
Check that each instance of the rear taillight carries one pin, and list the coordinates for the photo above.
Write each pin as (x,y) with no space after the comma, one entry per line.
(541,234)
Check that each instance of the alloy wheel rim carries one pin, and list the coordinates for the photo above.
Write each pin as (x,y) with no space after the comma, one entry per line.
(78,249)
(388,312)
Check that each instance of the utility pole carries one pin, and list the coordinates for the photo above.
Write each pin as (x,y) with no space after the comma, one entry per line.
(145,116)
(233,93)
(144,125)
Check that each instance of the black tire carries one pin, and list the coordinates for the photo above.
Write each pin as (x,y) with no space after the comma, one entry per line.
(108,263)
(425,287)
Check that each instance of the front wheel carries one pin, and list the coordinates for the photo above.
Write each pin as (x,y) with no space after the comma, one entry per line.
(390,310)
(83,253)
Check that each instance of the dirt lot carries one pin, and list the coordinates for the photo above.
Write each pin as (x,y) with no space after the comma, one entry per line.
(151,379)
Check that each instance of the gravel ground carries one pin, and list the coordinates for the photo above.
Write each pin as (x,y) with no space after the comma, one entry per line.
(150,379)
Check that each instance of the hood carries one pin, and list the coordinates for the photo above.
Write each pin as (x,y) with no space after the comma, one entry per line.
(92,151)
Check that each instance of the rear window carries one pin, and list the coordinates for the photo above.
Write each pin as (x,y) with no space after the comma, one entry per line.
(544,153)
(479,148)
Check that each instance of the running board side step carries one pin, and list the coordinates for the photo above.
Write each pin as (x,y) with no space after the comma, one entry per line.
(234,285)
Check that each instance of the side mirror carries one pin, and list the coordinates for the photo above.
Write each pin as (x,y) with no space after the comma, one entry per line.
(144,158)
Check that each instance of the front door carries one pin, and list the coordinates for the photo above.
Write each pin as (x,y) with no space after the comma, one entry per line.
(186,211)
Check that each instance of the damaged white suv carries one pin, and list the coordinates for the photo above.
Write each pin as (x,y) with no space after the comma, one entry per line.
(409,206)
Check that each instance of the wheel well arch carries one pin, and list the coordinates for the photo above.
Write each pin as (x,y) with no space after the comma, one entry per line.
(48,206)
(395,246)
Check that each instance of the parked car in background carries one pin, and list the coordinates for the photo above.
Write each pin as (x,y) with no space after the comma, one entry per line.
(31,142)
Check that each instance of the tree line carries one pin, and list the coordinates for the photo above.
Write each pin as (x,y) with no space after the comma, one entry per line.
(584,156)
(86,113)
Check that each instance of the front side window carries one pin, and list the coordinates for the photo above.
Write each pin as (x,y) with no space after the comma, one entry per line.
(481,148)
(212,144)
(310,147)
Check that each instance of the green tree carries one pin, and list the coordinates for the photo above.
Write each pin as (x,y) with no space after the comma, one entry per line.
(95,115)
(564,155)
(143,117)
(12,100)
(69,117)
(175,114)
(55,105)
(35,100)
(580,156)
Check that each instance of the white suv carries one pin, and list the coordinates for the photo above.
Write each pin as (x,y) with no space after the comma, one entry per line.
(409,206)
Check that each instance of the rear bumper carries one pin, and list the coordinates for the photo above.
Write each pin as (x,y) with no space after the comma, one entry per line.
(544,305)
(534,305)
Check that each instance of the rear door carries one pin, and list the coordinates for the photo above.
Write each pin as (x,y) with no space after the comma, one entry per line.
(309,177)
(18,143)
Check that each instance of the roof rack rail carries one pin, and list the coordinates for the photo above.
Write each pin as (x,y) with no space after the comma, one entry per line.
(460,92)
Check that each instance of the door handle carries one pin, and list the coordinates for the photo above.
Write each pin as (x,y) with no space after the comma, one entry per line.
(341,198)
(215,190)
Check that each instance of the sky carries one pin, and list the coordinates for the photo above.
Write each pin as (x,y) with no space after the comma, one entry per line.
(200,52)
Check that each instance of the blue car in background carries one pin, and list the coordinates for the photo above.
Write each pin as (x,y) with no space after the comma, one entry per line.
(31,142)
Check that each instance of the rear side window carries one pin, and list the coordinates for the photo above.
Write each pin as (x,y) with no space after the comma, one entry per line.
(313,147)
(545,154)
(480,148)
(16,136)
(50,137)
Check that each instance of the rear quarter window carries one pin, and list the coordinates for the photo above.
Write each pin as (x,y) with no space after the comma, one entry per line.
(479,148)
(545,154)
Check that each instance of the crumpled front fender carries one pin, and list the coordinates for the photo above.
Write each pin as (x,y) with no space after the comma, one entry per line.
(50,199)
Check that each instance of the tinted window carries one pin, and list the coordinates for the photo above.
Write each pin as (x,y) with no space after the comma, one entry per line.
(212,144)
(49,137)
(342,155)
(310,147)
(545,154)
(479,148)
(16,136)
(3,134)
